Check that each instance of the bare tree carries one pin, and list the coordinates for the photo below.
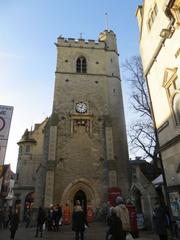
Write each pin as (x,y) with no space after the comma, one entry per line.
(141,133)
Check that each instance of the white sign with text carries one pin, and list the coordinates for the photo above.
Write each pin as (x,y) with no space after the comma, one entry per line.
(5,122)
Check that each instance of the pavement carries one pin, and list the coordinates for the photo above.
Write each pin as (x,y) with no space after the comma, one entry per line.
(95,231)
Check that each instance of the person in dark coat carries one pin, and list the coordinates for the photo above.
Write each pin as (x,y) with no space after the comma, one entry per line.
(27,217)
(78,221)
(50,216)
(14,222)
(5,218)
(40,221)
(1,218)
(161,220)
(57,214)
(115,226)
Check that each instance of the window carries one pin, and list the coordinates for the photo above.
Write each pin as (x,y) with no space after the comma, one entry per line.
(81,66)
(176,12)
(171,89)
(27,148)
(172,84)
(151,16)
(176,107)
(134,174)
(174,196)
(20,149)
(177,84)
(155,9)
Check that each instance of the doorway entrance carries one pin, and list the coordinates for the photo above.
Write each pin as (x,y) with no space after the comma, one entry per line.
(29,201)
(81,196)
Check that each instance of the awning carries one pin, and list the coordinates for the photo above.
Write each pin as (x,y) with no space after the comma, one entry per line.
(157,181)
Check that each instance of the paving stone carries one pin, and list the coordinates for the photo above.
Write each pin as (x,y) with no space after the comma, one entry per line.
(95,231)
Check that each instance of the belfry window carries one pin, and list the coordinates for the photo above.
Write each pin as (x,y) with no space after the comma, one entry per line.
(81,65)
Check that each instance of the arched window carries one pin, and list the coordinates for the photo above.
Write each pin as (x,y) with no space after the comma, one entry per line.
(81,66)
(151,16)
(171,83)
(176,107)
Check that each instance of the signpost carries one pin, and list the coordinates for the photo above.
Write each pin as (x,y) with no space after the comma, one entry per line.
(5,122)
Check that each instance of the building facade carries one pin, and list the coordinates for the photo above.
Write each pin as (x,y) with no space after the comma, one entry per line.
(159,25)
(31,168)
(7,179)
(83,145)
(143,193)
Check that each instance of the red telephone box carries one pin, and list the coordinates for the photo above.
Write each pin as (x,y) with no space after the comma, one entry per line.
(133,220)
(90,214)
(113,193)
(66,215)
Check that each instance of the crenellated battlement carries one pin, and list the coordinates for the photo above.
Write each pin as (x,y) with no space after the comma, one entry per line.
(107,40)
(72,42)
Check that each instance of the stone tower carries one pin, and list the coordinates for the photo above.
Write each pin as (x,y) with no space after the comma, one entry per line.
(87,152)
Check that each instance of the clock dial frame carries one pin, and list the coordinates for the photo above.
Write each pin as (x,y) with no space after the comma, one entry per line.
(81,107)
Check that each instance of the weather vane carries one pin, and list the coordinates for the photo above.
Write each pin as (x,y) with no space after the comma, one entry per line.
(81,35)
(106,18)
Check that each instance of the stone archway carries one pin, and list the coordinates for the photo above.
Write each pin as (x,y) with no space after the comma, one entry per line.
(85,186)
(143,197)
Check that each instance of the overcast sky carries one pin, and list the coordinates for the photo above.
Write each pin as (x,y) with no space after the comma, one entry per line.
(28,54)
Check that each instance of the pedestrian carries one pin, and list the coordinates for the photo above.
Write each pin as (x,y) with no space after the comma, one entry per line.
(27,217)
(41,217)
(115,231)
(50,218)
(123,213)
(60,215)
(161,220)
(57,214)
(10,213)
(5,218)
(108,216)
(1,218)
(78,221)
(14,222)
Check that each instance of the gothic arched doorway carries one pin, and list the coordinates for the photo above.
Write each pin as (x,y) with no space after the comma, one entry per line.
(86,192)
(81,196)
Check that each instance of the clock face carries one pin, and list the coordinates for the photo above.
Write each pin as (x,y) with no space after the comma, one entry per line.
(81,107)
(2,123)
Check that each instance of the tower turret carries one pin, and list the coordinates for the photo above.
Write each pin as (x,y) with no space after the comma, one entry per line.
(109,37)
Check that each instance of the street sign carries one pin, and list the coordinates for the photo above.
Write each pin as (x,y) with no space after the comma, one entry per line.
(5,122)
